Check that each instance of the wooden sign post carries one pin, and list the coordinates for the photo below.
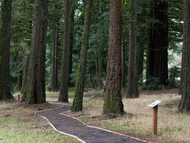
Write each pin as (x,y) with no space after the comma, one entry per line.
(18,97)
(154,105)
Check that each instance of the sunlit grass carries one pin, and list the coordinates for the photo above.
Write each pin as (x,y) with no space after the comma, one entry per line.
(138,117)
(19,124)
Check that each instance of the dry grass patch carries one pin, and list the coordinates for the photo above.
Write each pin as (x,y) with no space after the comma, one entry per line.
(137,121)
(20,124)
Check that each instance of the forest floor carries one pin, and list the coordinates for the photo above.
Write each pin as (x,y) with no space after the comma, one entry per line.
(137,121)
(20,124)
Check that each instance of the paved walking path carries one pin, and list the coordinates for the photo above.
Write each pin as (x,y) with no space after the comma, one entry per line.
(84,133)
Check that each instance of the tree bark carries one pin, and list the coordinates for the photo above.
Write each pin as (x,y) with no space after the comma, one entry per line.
(54,86)
(19,81)
(151,47)
(157,64)
(27,49)
(20,73)
(24,78)
(123,64)
(73,2)
(78,98)
(161,42)
(63,94)
(5,36)
(99,67)
(132,86)
(113,100)
(185,98)
(35,88)
(140,60)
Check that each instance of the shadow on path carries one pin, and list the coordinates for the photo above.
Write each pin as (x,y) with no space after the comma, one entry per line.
(84,133)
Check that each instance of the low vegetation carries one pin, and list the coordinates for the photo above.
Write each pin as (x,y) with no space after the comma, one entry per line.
(137,120)
(20,124)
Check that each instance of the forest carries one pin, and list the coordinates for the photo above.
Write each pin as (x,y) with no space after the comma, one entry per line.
(80,45)
(115,49)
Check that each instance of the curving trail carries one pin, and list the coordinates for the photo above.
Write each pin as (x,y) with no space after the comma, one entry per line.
(73,127)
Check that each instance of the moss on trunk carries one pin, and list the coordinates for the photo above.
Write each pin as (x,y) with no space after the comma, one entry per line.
(113,100)
(78,98)
(34,91)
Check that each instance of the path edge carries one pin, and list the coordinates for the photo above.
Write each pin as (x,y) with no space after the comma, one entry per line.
(81,122)
(103,128)
(55,127)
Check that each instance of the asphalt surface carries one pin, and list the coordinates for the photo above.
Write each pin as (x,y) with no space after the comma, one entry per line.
(76,128)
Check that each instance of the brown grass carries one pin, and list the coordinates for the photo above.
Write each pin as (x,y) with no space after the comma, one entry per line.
(18,123)
(172,126)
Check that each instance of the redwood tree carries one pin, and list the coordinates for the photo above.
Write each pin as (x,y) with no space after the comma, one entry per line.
(161,41)
(185,98)
(132,86)
(35,80)
(54,72)
(158,46)
(5,36)
(78,98)
(63,94)
(113,100)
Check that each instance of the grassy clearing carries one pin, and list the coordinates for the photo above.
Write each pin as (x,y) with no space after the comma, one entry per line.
(20,124)
(136,122)
(138,118)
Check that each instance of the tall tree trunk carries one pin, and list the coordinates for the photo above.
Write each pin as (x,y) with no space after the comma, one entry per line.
(140,59)
(5,36)
(35,92)
(63,94)
(19,80)
(78,98)
(27,54)
(113,100)
(132,86)
(150,55)
(161,41)
(150,48)
(54,86)
(24,78)
(99,67)
(185,99)
(123,64)
(71,84)
(157,60)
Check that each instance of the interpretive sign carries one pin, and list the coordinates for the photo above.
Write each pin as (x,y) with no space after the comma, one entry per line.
(154,105)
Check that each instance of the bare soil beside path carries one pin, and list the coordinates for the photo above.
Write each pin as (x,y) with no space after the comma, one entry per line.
(70,96)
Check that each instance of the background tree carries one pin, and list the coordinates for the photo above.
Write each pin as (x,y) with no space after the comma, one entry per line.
(72,32)
(36,69)
(78,98)
(5,36)
(63,94)
(132,86)
(24,28)
(55,41)
(185,99)
(113,100)
(158,56)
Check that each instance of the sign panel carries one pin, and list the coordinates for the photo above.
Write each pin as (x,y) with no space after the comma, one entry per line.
(154,103)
